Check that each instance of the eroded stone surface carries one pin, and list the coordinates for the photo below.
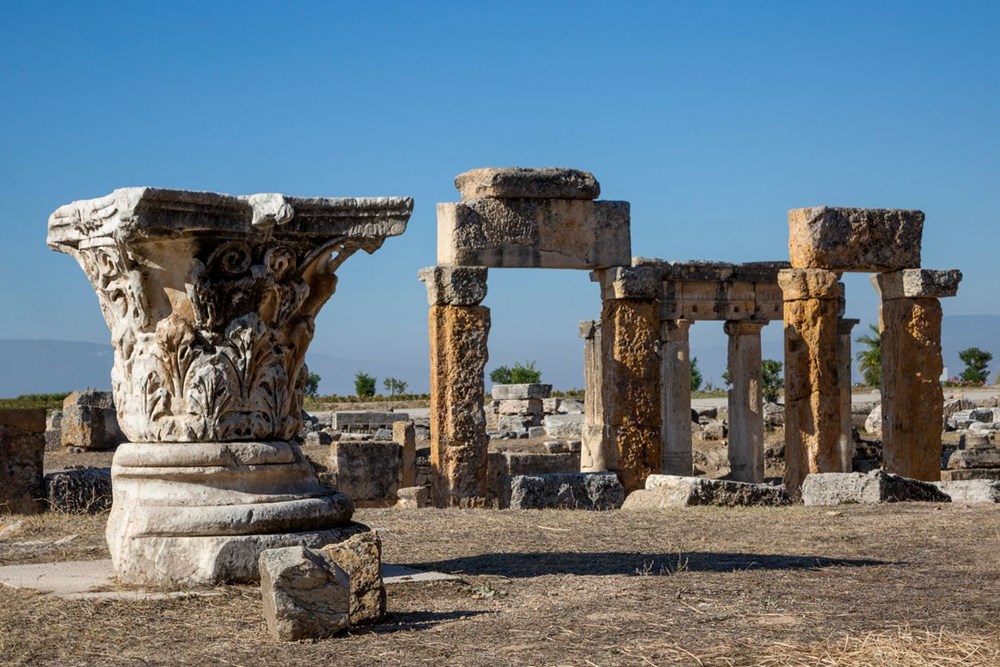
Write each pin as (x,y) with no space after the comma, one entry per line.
(360,556)
(534,233)
(528,183)
(917,283)
(512,392)
(458,336)
(305,594)
(587,491)
(89,421)
(366,472)
(675,370)
(454,285)
(971,492)
(79,490)
(836,488)
(662,491)
(854,239)
(22,449)
(628,282)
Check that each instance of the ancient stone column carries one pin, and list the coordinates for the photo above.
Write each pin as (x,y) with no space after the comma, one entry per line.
(846,444)
(630,325)
(675,379)
(459,333)
(812,385)
(746,403)
(211,301)
(912,400)
(594,456)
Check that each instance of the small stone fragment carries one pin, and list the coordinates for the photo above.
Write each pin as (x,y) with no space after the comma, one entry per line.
(412,498)
(360,557)
(306,594)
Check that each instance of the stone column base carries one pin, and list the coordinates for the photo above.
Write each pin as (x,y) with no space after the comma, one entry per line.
(195,514)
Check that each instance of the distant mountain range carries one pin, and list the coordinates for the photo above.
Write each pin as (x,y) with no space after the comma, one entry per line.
(49,366)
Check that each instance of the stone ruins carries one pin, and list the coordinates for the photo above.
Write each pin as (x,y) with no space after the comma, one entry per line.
(211,300)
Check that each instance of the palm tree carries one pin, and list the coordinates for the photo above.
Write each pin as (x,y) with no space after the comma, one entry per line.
(870,360)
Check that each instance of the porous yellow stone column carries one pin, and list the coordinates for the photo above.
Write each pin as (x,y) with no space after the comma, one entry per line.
(675,376)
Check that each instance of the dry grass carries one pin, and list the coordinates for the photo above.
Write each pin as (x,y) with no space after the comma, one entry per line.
(903,585)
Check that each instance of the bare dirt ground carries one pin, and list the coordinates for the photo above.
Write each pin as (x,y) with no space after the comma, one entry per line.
(906,584)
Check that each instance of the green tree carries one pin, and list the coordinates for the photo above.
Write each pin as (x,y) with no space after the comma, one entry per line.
(521,373)
(696,378)
(311,387)
(870,359)
(773,383)
(501,375)
(394,386)
(364,385)
(976,365)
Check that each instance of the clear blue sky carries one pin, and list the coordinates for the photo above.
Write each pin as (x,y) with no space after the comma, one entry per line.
(712,118)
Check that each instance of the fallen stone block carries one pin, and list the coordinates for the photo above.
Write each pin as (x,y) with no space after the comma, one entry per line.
(520,392)
(22,450)
(873,423)
(585,491)
(366,420)
(854,239)
(306,595)
(971,492)
(89,421)
(878,486)
(682,491)
(367,472)
(79,490)
(318,439)
(974,457)
(970,473)
(528,406)
(536,432)
(412,498)
(774,415)
(360,557)
(564,426)
(714,430)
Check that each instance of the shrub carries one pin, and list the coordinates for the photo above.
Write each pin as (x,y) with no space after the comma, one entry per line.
(364,385)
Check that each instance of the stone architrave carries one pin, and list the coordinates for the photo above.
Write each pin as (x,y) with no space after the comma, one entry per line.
(846,445)
(532,218)
(912,399)
(458,337)
(595,455)
(746,404)
(812,384)
(854,239)
(630,327)
(675,378)
(211,301)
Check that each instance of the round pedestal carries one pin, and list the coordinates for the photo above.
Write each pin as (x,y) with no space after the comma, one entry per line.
(193,514)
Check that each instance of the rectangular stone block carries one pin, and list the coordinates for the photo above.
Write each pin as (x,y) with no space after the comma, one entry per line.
(663,491)
(974,458)
(534,233)
(521,392)
(628,282)
(22,449)
(522,183)
(366,420)
(970,474)
(454,285)
(567,427)
(972,491)
(837,488)
(404,434)
(917,283)
(587,491)
(529,406)
(854,239)
(367,472)
(89,421)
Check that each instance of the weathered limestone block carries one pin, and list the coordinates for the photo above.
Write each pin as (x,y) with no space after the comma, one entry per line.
(628,282)
(53,430)
(528,406)
(520,392)
(22,449)
(675,407)
(89,421)
(413,497)
(504,466)
(971,492)
(746,401)
(534,233)
(912,398)
(366,420)
(366,472)
(454,285)
(663,491)
(586,491)
(812,383)
(970,474)
(79,490)
(305,594)
(404,434)
(873,422)
(917,284)
(522,183)
(974,457)
(459,443)
(360,557)
(836,488)
(563,426)
(854,239)
(631,388)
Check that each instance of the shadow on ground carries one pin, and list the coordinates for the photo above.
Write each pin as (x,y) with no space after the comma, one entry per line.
(617,563)
(418,620)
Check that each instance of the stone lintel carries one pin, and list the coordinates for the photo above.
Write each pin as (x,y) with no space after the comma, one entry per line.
(534,233)
(627,282)
(527,183)
(710,271)
(917,284)
(854,239)
(675,330)
(589,328)
(720,300)
(140,213)
(454,285)
(802,284)
(846,325)
(743,327)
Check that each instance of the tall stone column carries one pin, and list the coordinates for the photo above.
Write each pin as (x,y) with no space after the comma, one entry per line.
(459,333)
(594,456)
(630,326)
(675,378)
(912,400)
(812,384)
(746,403)
(211,301)
(846,444)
